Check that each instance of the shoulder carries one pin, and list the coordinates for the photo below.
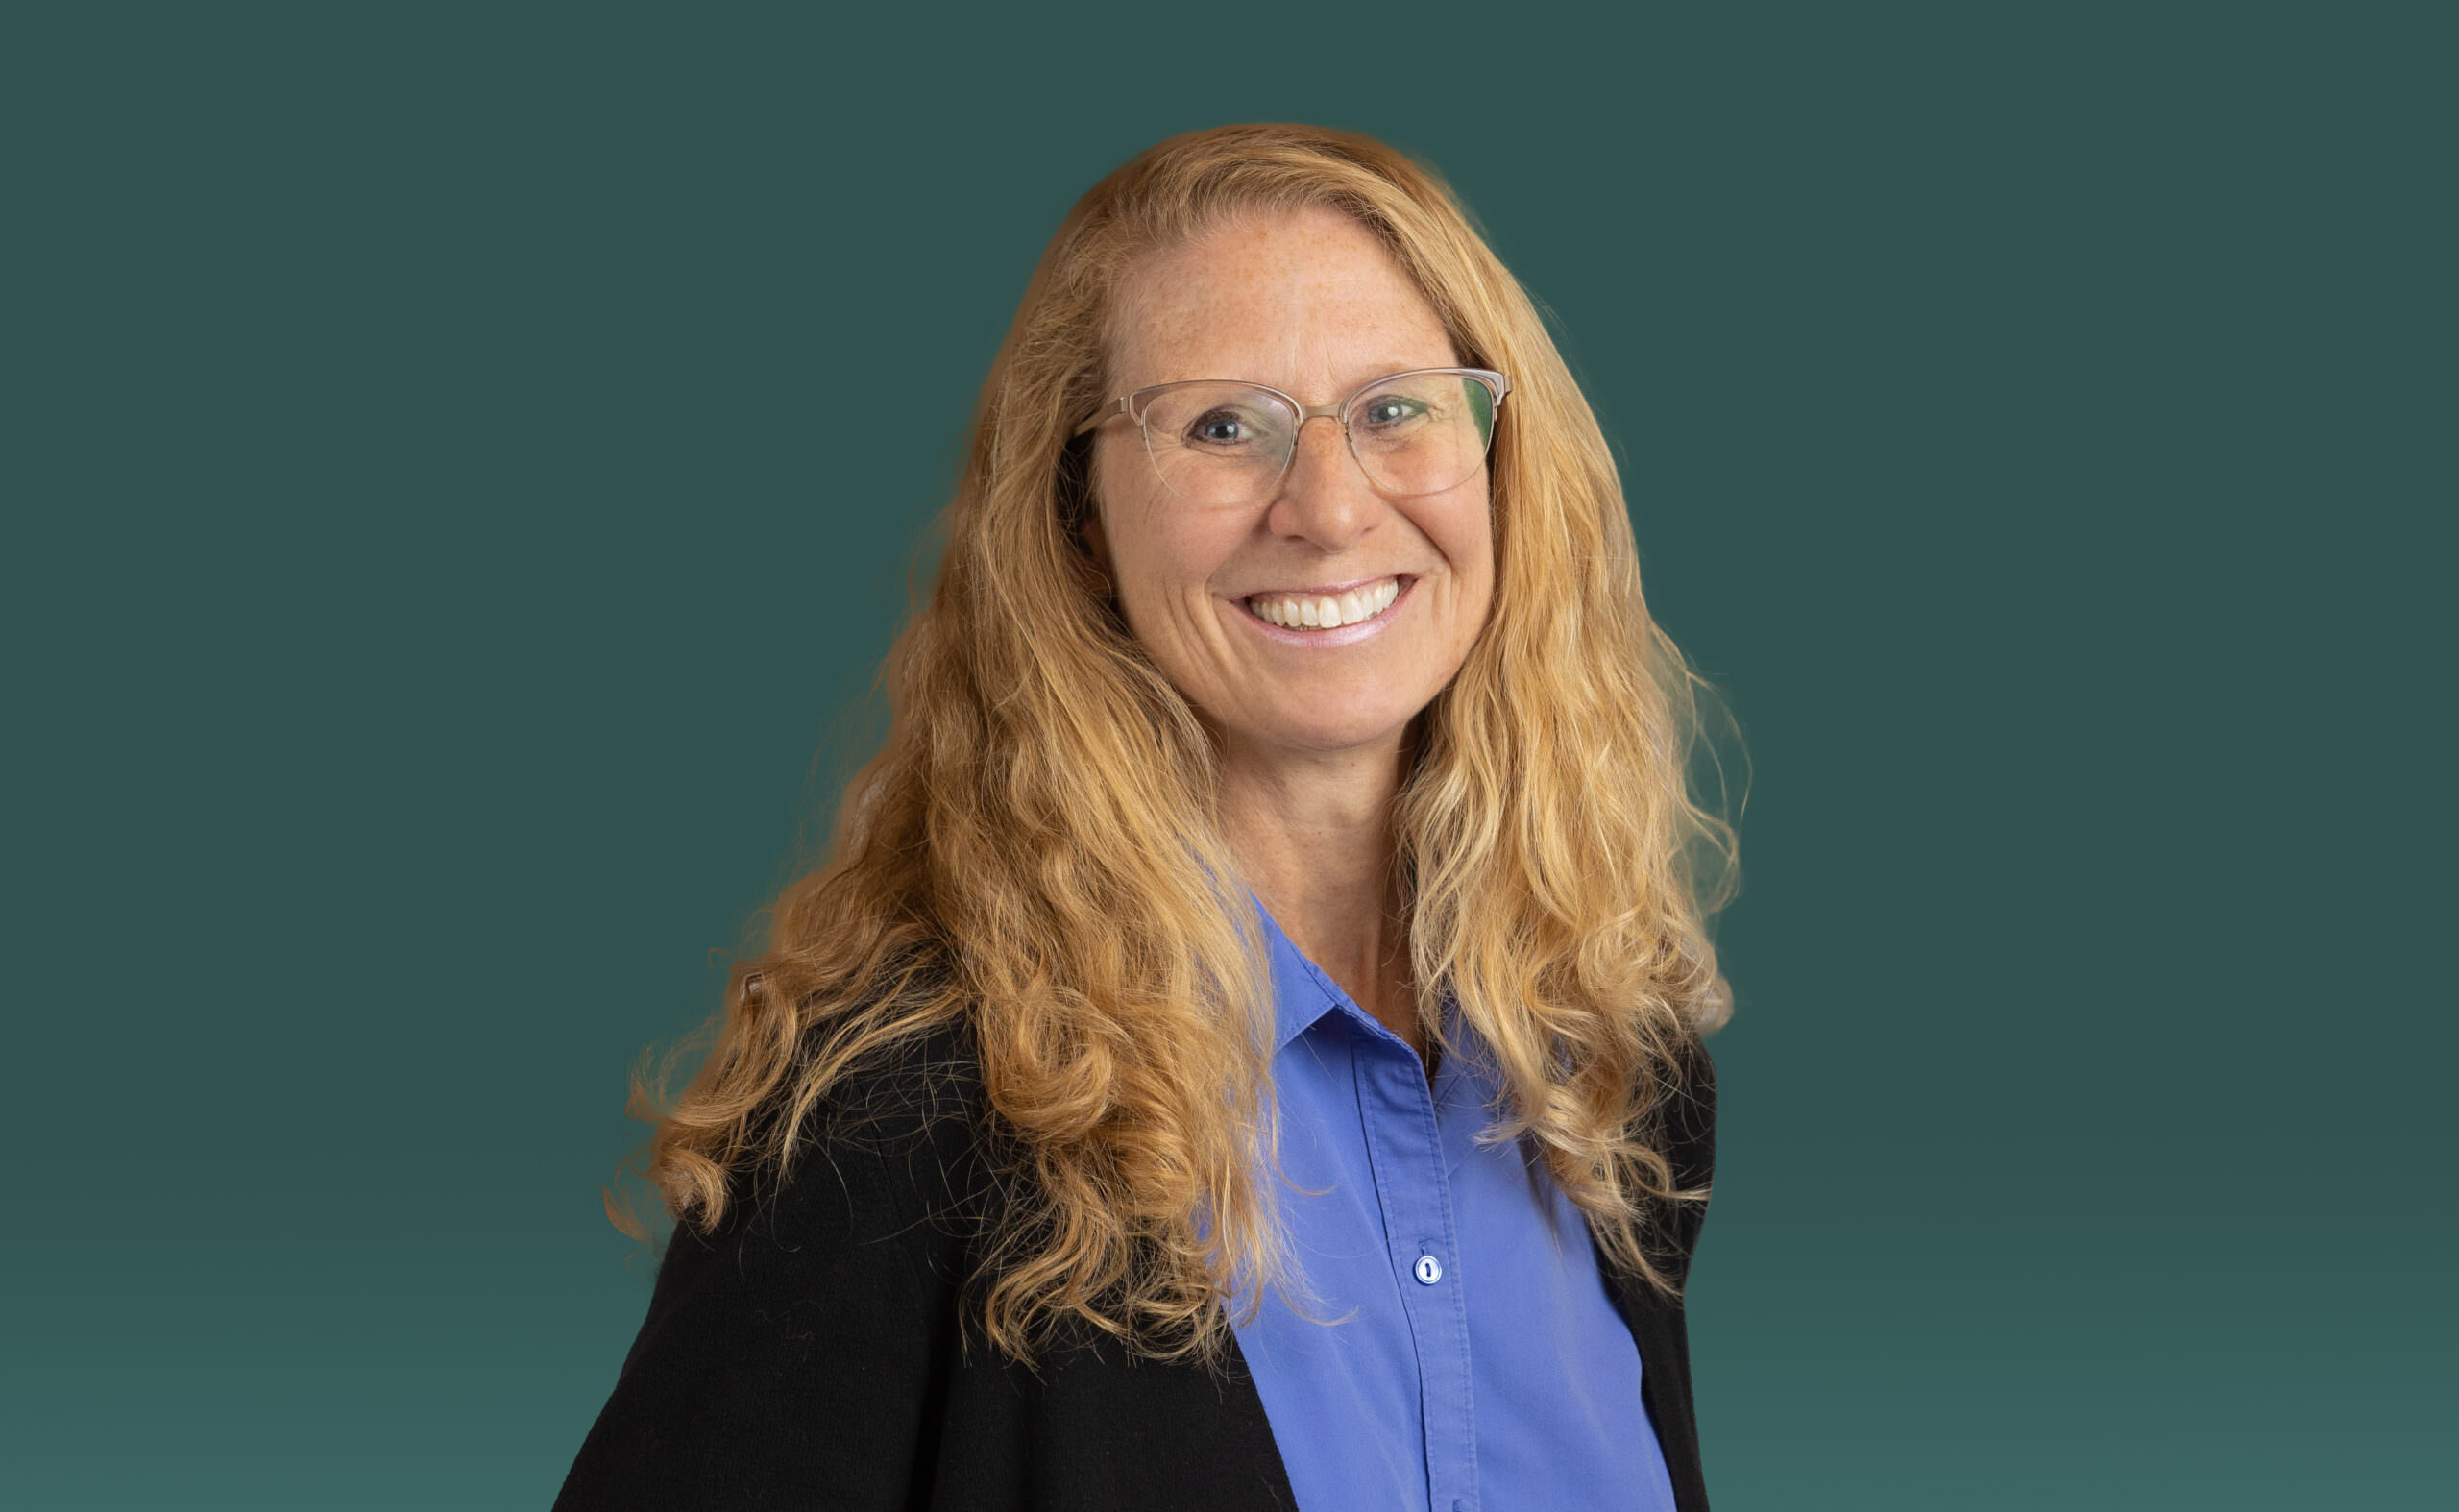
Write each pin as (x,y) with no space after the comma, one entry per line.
(891,1157)
(1690,1112)
(794,1343)
(921,1092)
(1687,1137)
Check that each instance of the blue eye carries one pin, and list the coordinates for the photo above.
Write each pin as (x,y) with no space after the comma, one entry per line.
(1391,410)
(1221,427)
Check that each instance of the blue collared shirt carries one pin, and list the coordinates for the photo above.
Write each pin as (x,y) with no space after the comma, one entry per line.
(1481,1363)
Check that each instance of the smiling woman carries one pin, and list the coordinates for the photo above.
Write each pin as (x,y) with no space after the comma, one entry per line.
(1269,952)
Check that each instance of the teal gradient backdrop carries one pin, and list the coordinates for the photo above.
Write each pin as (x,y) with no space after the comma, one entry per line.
(463,467)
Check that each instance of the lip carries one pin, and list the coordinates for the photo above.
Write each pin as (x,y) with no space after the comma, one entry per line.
(1329,640)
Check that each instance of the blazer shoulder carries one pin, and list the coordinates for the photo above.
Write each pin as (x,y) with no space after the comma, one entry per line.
(906,1124)
(1686,1138)
(1690,1115)
(924,1088)
(796,1343)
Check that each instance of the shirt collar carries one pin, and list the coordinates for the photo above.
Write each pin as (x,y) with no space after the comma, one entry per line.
(1300,992)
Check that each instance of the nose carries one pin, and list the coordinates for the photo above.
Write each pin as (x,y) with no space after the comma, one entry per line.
(1323,494)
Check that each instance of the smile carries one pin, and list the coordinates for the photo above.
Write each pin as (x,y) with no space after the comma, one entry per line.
(1328,617)
(1304,609)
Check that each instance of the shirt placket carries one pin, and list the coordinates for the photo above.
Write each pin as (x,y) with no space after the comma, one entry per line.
(1404,1144)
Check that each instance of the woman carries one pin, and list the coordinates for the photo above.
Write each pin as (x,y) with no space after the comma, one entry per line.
(1244,1048)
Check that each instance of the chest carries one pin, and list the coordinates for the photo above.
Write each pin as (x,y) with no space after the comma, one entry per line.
(1454,1344)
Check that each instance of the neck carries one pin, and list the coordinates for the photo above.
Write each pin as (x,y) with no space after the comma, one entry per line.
(1312,834)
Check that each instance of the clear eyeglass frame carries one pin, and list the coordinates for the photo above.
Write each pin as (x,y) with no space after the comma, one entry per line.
(1136,405)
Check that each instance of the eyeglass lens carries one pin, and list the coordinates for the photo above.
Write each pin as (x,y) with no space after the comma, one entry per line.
(1228,443)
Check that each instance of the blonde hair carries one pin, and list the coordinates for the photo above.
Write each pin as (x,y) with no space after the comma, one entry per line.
(1034,855)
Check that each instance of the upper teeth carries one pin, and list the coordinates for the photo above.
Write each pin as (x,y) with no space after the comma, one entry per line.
(1328,611)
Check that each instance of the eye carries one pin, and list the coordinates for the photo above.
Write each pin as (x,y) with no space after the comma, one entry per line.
(1222,428)
(1391,409)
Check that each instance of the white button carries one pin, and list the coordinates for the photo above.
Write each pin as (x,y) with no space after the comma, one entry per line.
(1430,1269)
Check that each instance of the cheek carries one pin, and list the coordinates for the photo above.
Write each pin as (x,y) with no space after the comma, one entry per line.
(1159,552)
(1160,570)
(1463,531)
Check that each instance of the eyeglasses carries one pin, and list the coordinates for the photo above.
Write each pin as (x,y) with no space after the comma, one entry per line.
(1215,440)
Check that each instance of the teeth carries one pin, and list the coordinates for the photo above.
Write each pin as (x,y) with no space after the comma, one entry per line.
(1325,612)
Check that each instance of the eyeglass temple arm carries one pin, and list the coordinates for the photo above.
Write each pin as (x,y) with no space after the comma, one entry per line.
(1116,406)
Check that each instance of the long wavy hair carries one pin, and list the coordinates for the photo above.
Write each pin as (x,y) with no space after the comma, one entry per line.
(1035,854)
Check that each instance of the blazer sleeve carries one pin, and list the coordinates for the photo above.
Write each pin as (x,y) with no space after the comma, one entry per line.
(787,1357)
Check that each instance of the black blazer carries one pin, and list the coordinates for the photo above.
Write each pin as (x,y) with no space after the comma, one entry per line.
(807,1353)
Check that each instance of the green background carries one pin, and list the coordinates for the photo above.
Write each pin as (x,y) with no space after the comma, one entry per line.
(462,469)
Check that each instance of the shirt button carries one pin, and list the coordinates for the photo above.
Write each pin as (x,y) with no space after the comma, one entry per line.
(1430,1269)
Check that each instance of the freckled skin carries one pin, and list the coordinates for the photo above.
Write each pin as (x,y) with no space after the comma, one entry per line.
(1312,305)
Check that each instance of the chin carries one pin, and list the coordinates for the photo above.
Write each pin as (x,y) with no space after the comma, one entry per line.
(1349,734)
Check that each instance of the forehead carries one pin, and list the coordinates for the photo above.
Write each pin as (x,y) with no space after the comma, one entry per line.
(1308,301)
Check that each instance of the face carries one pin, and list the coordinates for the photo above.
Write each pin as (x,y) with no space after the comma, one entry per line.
(1309,304)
